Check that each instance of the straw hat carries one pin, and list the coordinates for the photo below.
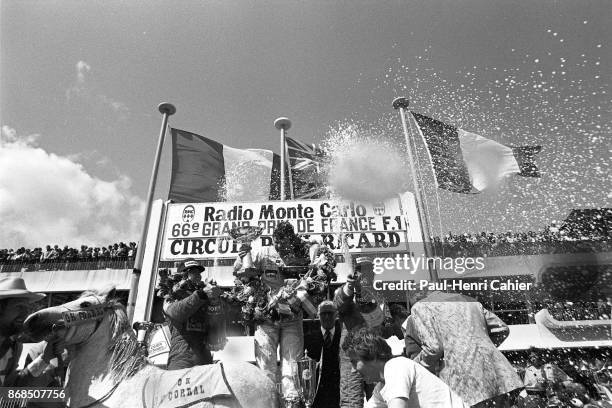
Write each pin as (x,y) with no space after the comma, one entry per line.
(16,288)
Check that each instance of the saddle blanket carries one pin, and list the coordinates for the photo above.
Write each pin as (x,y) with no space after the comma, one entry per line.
(187,387)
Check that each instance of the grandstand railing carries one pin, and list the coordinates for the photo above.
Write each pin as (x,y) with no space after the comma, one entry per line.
(67,265)
(441,249)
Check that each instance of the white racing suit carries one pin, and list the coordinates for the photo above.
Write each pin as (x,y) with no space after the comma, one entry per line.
(288,332)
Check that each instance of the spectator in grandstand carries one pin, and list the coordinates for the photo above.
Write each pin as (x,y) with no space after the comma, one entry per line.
(458,335)
(55,253)
(122,250)
(132,250)
(15,300)
(20,255)
(83,252)
(46,253)
(402,383)
(36,254)
(185,312)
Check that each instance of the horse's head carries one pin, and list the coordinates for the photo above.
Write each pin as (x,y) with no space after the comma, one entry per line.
(78,320)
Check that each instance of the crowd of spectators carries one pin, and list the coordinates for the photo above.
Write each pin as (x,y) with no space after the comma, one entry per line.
(551,240)
(584,230)
(54,257)
(55,253)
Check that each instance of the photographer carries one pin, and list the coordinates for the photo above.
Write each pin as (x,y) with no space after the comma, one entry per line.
(186,313)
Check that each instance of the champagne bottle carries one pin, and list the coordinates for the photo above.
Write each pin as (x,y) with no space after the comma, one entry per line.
(364,293)
(216,334)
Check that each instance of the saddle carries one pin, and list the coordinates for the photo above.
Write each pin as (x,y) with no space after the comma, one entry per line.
(182,388)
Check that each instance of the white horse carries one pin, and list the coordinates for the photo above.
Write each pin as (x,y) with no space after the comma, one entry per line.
(108,368)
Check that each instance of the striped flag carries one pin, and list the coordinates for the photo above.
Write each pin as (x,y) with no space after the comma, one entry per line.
(306,164)
(465,162)
(204,170)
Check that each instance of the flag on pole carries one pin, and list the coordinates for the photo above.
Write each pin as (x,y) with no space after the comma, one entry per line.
(465,162)
(306,166)
(204,170)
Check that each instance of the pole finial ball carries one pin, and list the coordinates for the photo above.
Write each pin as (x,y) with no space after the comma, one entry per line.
(282,123)
(166,107)
(401,102)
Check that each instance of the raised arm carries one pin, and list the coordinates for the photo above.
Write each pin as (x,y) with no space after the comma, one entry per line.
(181,310)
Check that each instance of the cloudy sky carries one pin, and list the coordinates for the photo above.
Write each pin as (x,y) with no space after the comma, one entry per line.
(81,81)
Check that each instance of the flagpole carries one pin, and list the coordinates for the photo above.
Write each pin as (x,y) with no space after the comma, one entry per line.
(401,104)
(282,124)
(166,109)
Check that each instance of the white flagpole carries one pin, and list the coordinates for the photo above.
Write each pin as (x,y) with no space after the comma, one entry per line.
(282,124)
(401,104)
(166,109)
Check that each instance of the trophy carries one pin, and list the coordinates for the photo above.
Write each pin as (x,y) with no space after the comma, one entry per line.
(245,235)
(306,379)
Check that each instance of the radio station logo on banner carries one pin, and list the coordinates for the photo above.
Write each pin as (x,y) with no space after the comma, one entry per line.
(202,230)
(188,213)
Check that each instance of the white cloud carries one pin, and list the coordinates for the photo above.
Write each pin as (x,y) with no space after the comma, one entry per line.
(50,199)
(82,68)
(84,90)
(9,135)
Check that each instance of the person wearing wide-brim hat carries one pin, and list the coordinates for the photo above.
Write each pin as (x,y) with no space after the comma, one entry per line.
(15,288)
(15,300)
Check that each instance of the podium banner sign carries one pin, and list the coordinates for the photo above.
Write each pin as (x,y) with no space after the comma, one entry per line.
(202,230)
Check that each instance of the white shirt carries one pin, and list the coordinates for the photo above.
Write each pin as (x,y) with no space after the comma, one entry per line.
(406,379)
(331,331)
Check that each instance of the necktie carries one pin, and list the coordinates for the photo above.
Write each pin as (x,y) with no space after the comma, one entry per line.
(327,339)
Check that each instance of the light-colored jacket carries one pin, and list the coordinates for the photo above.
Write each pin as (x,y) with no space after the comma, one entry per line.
(454,332)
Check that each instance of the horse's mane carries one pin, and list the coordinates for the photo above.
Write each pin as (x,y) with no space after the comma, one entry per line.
(127,356)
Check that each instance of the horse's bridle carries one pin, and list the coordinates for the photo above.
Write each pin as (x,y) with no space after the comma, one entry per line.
(62,325)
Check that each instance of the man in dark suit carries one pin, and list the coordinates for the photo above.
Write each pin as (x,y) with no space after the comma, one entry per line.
(323,345)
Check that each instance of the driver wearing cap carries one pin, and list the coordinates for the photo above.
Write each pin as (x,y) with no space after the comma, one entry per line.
(186,319)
